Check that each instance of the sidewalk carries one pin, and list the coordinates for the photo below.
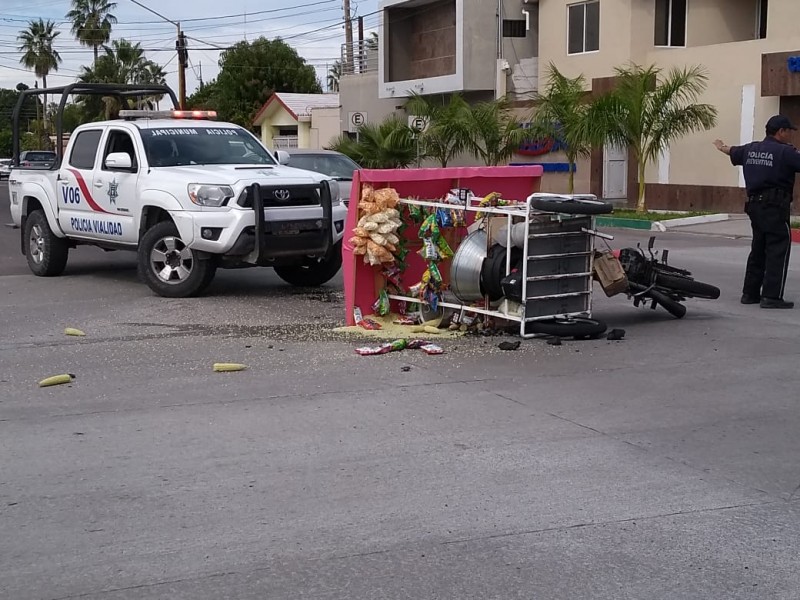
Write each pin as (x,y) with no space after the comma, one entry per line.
(737,226)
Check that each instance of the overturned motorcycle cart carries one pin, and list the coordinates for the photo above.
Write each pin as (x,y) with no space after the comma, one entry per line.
(518,255)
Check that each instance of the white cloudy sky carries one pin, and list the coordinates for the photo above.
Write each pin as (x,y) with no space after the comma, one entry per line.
(313,27)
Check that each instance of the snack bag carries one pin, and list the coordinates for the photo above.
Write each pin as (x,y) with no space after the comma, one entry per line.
(445,217)
(432,349)
(381,305)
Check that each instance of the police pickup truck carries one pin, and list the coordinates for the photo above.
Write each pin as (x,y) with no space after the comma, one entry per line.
(188,194)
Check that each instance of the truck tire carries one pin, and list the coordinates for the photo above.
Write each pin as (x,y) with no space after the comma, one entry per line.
(46,253)
(315,272)
(168,266)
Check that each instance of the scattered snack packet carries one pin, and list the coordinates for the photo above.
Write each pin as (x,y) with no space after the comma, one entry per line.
(372,351)
(381,306)
(405,320)
(432,349)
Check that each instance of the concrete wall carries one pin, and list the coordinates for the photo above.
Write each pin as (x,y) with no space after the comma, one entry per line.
(359,93)
(325,127)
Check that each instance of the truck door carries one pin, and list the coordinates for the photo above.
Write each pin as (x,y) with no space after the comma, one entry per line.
(115,187)
(78,212)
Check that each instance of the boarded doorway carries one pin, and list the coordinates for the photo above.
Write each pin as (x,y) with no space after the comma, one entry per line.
(615,173)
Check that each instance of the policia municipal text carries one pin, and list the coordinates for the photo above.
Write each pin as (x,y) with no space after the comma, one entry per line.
(769,171)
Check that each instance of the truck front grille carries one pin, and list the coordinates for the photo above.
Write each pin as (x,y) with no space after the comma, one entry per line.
(279,196)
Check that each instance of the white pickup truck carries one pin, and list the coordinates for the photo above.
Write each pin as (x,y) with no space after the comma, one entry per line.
(189,194)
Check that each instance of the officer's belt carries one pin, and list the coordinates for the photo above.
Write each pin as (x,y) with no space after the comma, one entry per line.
(770,194)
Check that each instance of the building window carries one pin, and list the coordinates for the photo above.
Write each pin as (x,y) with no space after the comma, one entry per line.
(514,28)
(583,23)
(670,23)
(761,19)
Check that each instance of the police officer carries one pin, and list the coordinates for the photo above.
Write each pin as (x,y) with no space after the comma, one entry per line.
(769,171)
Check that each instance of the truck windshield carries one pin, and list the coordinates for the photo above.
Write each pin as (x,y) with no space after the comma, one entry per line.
(178,146)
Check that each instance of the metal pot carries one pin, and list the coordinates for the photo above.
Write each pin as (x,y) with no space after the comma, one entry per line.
(465,270)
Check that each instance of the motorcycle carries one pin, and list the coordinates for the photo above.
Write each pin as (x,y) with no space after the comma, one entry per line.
(659,283)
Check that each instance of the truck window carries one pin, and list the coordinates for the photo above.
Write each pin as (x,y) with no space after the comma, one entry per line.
(119,141)
(84,149)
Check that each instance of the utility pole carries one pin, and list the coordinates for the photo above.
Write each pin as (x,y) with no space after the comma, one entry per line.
(200,67)
(183,62)
(348,38)
(361,50)
(183,56)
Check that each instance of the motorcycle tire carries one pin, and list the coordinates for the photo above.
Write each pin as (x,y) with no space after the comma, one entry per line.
(676,309)
(578,327)
(687,287)
(572,206)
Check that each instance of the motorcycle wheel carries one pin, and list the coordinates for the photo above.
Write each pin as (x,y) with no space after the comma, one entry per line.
(688,287)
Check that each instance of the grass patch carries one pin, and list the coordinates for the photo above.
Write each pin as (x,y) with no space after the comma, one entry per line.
(654,216)
(795,224)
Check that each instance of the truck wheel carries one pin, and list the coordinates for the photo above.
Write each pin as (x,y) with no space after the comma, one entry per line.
(46,253)
(168,266)
(315,272)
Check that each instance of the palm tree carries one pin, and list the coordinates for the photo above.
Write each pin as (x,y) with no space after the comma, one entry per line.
(91,22)
(36,45)
(389,144)
(495,133)
(562,113)
(334,73)
(646,112)
(446,134)
(122,63)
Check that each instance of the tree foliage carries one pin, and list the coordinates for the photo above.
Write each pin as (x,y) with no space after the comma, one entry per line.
(646,111)
(36,46)
(250,72)
(494,132)
(562,112)
(91,22)
(123,63)
(447,131)
(390,144)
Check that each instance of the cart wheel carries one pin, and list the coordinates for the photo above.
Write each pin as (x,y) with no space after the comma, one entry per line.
(577,327)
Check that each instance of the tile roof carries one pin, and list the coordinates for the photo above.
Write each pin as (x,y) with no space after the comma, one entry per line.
(300,104)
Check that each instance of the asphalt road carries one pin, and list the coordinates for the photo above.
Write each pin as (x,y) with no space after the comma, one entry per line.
(661,466)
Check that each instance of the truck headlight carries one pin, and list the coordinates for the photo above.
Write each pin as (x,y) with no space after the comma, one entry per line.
(336,192)
(209,195)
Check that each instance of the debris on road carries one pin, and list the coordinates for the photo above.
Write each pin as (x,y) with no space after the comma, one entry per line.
(228,367)
(509,345)
(73,331)
(555,341)
(398,345)
(57,380)
(616,334)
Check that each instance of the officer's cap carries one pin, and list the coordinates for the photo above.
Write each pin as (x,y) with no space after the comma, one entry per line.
(779,122)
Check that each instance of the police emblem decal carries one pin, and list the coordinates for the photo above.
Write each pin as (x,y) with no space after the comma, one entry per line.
(112,191)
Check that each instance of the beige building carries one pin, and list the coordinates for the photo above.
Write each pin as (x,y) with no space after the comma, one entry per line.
(299,120)
(489,49)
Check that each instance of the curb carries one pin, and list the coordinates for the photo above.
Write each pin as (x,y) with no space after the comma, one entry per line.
(698,220)
(627,223)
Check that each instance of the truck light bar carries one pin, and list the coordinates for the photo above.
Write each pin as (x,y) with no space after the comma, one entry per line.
(168,114)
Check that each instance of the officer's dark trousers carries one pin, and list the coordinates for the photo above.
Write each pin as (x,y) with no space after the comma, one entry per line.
(768,262)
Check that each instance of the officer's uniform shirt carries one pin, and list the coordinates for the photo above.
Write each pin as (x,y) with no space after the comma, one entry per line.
(768,164)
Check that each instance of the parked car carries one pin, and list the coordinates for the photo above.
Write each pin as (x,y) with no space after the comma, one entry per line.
(334,164)
(5,168)
(38,159)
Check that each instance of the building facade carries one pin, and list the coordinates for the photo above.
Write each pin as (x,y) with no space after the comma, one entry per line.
(299,120)
(487,49)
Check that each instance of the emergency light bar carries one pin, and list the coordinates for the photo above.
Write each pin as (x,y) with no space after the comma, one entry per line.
(168,114)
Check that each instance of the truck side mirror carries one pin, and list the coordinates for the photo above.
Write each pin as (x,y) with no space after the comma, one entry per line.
(119,160)
(282,156)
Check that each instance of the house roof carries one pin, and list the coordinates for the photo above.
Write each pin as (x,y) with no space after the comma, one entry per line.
(298,105)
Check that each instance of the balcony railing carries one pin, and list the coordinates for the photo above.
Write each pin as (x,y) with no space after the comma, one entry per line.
(360,57)
(284,141)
